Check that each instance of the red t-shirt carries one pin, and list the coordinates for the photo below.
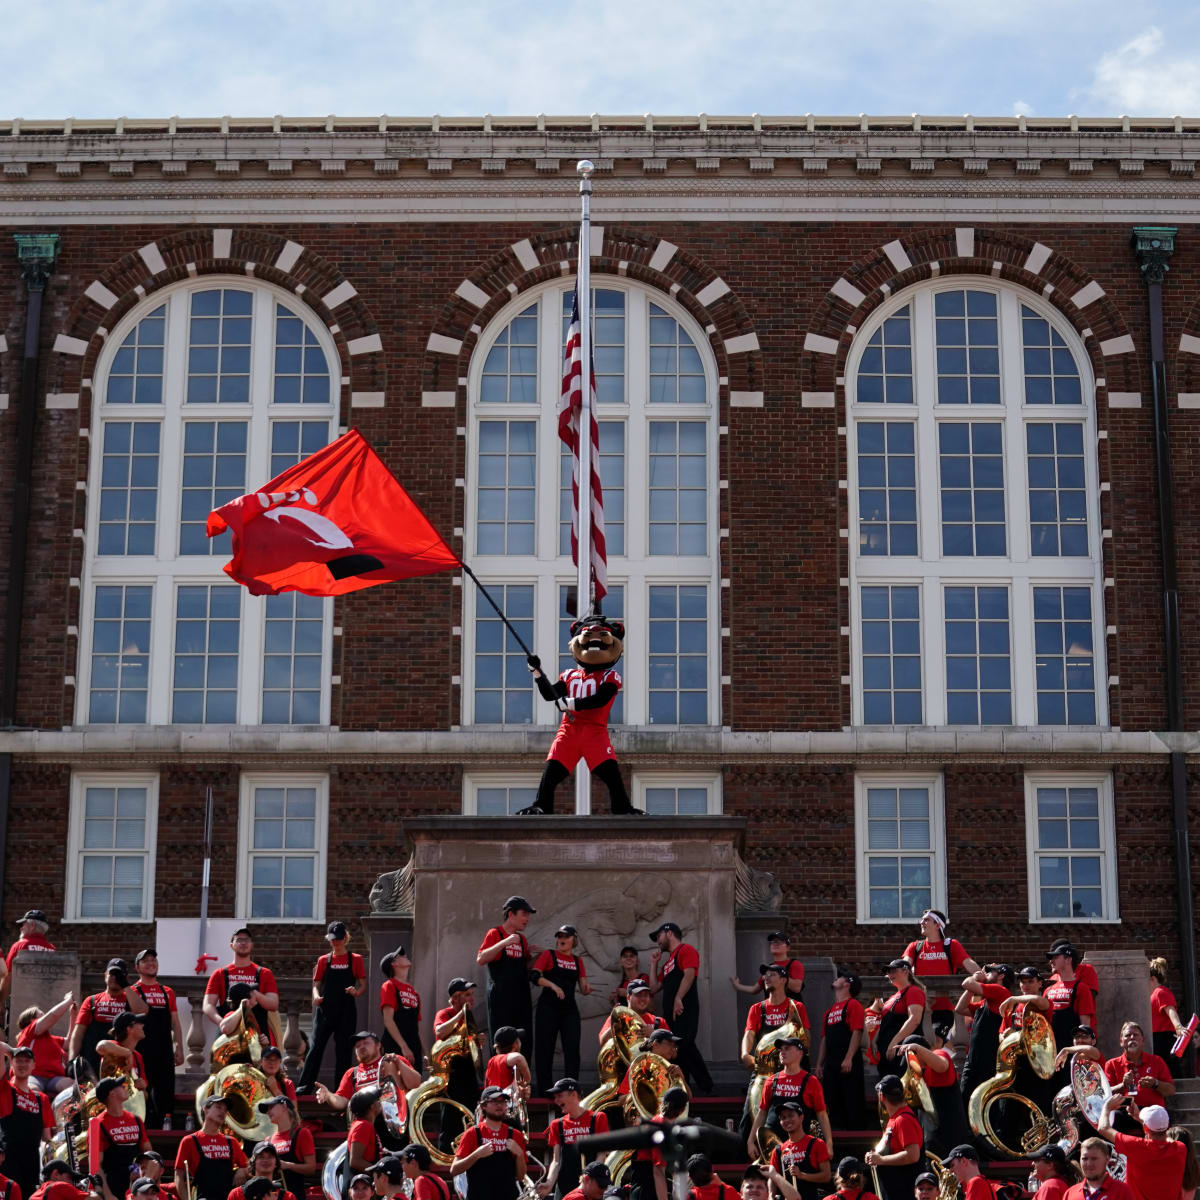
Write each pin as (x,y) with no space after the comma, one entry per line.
(48,1050)
(362,1133)
(306,1145)
(795,971)
(238,1194)
(498,1073)
(358,1077)
(681,958)
(903,1130)
(26,1100)
(942,1079)
(848,1194)
(717,1190)
(221,980)
(1160,1000)
(549,959)
(101,1007)
(994,994)
(566,1130)
(58,1190)
(477,1134)
(338,960)
(765,1015)
(651,1022)
(37,942)
(156,995)
(496,934)
(902,999)
(10,1188)
(122,1130)
(805,1155)
(1151,1064)
(215,1146)
(1154,1169)
(1110,1189)
(849,1012)
(1052,1189)
(397,995)
(430,1187)
(937,958)
(1061,995)
(803,1086)
(978,1189)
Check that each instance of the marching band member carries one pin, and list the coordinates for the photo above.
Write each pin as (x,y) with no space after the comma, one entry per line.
(98,1012)
(295,1149)
(1165,1024)
(793,1082)
(558,973)
(899,1163)
(1098,1184)
(984,992)
(1154,1166)
(779,946)
(48,1048)
(641,998)
(840,1058)
(705,1184)
(463,1084)
(850,1180)
(903,1012)
(765,1015)
(676,979)
(1071,1001)
(507,955)
(362,1186)
(115,1138)
(663,1043)
(648,1167)
(263,993)
(387,1177)
(149,1166)
(400,1006)
(802,1160)
(1084,971)
(963,1161)
(631,972)
(1136,1073)
(9,1188)
(561,1135)
(163,1048)
(1054,1172)
(942,1079)
(215,1160)
(491,1154)
(264,1163)
(418,1166)
(937,954)
(371,1065)
(363,1146)
(58,1183)
(27,1122)
(339,978)
(271,1065)
(508,1064)
(592,1183)
(127,1033)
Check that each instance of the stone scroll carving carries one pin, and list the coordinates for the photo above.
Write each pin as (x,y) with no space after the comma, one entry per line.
(755,891)
(393,892)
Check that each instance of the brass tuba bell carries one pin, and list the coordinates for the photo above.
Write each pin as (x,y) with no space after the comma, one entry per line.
(430,1093)
(1035,1042)
(650,1075)
(625,1031)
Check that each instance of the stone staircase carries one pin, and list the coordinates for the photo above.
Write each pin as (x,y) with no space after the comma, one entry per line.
(1185,1106)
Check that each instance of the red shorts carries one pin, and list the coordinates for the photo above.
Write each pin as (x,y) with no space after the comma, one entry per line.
(573,742)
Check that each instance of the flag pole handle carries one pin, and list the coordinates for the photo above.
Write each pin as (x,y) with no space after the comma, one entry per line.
(488,597)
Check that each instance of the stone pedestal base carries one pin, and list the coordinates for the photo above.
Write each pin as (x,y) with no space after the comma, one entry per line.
(1124,995)
(384,932)
(42,978)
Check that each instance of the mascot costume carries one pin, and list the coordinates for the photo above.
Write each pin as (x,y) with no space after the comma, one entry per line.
(584,695)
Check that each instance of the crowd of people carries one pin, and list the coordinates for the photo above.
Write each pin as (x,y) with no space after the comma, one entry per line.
(127,1040)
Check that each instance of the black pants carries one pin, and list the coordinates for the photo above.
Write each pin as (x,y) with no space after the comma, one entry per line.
(844,1093)
(553,1022)
(338,1024)
(685,1026)
(1162,1043)
(160,1072)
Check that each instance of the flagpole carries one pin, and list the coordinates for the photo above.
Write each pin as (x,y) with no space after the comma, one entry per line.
(583,293)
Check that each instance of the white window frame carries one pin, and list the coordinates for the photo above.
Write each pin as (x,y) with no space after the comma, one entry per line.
(1110,895)
(636,570)
(475,780)
(80,782)
(937,820)
(709,780)
(165,570)
(247,784)
(1018,569)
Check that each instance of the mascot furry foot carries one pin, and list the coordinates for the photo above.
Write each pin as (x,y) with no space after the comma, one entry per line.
(584,695)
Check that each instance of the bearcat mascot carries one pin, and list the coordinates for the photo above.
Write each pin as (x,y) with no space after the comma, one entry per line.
(584,695)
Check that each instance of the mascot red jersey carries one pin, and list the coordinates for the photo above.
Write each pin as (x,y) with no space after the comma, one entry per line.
(584,695)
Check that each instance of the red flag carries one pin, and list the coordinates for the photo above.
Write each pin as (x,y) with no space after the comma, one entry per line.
(335,522)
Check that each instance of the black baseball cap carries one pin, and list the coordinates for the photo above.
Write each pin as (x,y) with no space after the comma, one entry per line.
(790,1041)
(337,929)
(122,1022)
(890,1085)
(458,984)
(36,914)
(391,1166)
(492,1093)
(364,1100)
(1051,1153)
(1065,949)
(209,1101)
(778,936)
(149,952)
(899,964)
(117,964)
(270,1102)
(850,1166)
(106,1087)
(664,1035)
(564,1085)
(417,1154)
(23,1052)
(794,1105)
(1029,973)
(272,1052)
(964,1151)
(566,931)
(518,904)
(506,1036)
(385,963)
(774,968)
(597,1172)
(1085,1029)
(243,932)
(258,1187)
(263,1147)
(152,1155)
(142,1187)
(362,1035)
(666,927)
(926,1177)
(363,1178)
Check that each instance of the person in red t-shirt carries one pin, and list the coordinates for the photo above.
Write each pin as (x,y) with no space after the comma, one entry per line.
(263,993)
(418,1167)
(558,974)
(97,1013)
(1078,971)
(508,1065)
(400,1007)
(1094,1156)
(48,1048)
(941,1076)
(1154,1166)
(1054,1172)
(840,1058)
(793,1082)
(339,978)
(804,1161)
(936,954)
(215,1161)
(675,976)
(1165,1022)
(115,1138)
(963,1161)
(631,972)
(983,994)
(1139,1074)
(371,1066)
(706,1185)
(564,1131)
(264,1164)
(58,1183)
(641,1000)
(294,1145)
(898,1163)
(121,1047)
(592,1184)
(27,1121)
(31,929)
(363,1146)
(779,946)
(491,1154)
(1084,971)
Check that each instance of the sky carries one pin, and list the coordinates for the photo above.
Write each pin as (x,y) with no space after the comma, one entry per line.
(154,58)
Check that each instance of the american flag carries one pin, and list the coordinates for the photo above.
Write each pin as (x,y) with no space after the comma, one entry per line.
(570,405)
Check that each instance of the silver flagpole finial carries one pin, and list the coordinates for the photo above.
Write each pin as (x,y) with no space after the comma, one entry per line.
(586,168)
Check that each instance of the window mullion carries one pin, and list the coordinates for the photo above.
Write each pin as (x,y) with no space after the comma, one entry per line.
(925,399)
(1024,681)
(933,650)
(1016,473)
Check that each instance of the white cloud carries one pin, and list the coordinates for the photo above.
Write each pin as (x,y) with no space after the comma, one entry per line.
(1143,78)
(1022,108)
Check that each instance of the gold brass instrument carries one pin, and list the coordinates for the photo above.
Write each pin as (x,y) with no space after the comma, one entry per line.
(1035,1042)
(462,1042)
(626,1029)
(333,1172)
(766,1052)
(618,1163)
(916,1089)
(113,1068)
(650,1075)
(947,1181)
(243,1086)
(243,1045)
(880,1147)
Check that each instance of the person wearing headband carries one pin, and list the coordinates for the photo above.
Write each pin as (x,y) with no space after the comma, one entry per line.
(933,953)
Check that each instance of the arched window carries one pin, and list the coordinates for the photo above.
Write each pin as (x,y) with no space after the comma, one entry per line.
(201,394)
(656,408)
(975,538)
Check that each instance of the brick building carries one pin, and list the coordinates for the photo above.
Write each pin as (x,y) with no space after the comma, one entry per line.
(878,416)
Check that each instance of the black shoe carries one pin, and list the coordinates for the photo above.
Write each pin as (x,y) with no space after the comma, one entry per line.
(307,1089)
(534,811)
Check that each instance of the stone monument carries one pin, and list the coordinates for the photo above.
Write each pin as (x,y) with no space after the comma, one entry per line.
(42,978)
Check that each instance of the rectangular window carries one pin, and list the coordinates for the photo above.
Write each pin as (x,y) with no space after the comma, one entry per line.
(506,463)
(614,606)
(301,370)
(1057,495)
(120,661)
(678,654)
(128,487)
(219,347)
(676,372)
(503,692)
(968,347)
(293,440)
(885,369)
(887,488)
(678,486)
(214,472)
(1070,834)
(612,483)
(498,795)
(282,838)
(110,865)
(136,374)
(891,655)
(294,640)
(510,369)
(204,685)
(978,658)
(972,487)
(900,840)
(608,341)
(1051,375)
(1064,656)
